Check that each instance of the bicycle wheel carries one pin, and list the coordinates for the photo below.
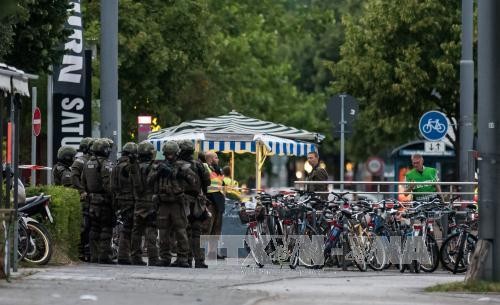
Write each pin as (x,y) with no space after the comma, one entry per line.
(40,248)
(23,238)
(253,237)
(357,245)
(377,256)
(433,251)
(450,250)
(289,243)
(309,255)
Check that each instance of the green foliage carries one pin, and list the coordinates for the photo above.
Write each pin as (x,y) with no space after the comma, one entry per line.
(162,45)
(182,60)
(393,57)
(33,32)
(66,210)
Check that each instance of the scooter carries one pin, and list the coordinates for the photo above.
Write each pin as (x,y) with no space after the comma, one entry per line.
(35,243)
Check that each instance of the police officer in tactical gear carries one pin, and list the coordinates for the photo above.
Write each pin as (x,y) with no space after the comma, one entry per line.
(145,211)
(96,180)
(76,173)
(121,182)
(61,172)
(196,200)
(169,178)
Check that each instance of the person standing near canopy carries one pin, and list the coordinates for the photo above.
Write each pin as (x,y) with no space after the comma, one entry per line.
(231,187)
(317,174)
(215,195)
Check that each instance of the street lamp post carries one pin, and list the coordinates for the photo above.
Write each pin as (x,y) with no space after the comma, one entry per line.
(109,71)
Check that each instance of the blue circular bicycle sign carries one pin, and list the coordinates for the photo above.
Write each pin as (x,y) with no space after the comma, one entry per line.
(433,125)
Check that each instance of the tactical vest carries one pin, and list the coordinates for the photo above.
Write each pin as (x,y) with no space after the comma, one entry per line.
(193,174)
(121,179)
(170,188)
(65,173)
(77,170)
(92,172)
(142,190)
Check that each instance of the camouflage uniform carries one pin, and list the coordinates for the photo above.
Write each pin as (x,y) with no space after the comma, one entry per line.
(96,180)
(169,178)
(61,173)
(145,211)
(76,174)
(194,194)
(124,198)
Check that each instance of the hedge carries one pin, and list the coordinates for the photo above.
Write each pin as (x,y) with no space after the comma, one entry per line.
(66,211)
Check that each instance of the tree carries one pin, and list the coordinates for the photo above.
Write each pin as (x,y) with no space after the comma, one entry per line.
(34,34)
(394,56)
(160,44)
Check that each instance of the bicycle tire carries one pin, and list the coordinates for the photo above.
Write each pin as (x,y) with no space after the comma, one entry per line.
(447,261)
(310,232)
(372,258)
(40,252)
(359,255)
(433,248)
(249,250)
(22,240)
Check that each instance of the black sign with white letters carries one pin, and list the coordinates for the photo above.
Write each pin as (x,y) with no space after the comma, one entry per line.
(71,99)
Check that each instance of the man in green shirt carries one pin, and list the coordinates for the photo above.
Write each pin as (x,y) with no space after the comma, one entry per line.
(421,173)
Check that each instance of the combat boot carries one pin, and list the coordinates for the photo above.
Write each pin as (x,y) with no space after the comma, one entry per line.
(181,264)
(200,264)
(122,261)
(138,262)
(155,262)
(164,262)
(106,261)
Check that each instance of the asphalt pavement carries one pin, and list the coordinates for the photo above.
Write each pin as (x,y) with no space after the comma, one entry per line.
(226,282)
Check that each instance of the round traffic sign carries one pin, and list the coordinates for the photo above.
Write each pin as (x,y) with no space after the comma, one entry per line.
(37,122)
(375,165)
(433,125)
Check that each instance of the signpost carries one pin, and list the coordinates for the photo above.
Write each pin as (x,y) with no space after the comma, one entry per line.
(435,147)
(375,166)
(37,122)
(37,126)
(433,125)
(342,110)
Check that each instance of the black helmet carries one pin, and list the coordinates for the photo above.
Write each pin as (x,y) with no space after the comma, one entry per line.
(85,145)
(170,148)
(130,148)
(186,146)
(146,150)
(66,154)
(100,147)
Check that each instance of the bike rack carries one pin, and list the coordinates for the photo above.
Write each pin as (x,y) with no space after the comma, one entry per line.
(451,186)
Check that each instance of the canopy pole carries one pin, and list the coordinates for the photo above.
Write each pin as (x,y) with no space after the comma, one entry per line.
(232,166)
(257,167)
(260,158)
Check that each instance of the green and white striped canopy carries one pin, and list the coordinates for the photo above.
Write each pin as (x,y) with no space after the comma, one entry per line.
(236,123)
(236,132)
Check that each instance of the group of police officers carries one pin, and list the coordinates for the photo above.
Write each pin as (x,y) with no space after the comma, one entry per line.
(147,196)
